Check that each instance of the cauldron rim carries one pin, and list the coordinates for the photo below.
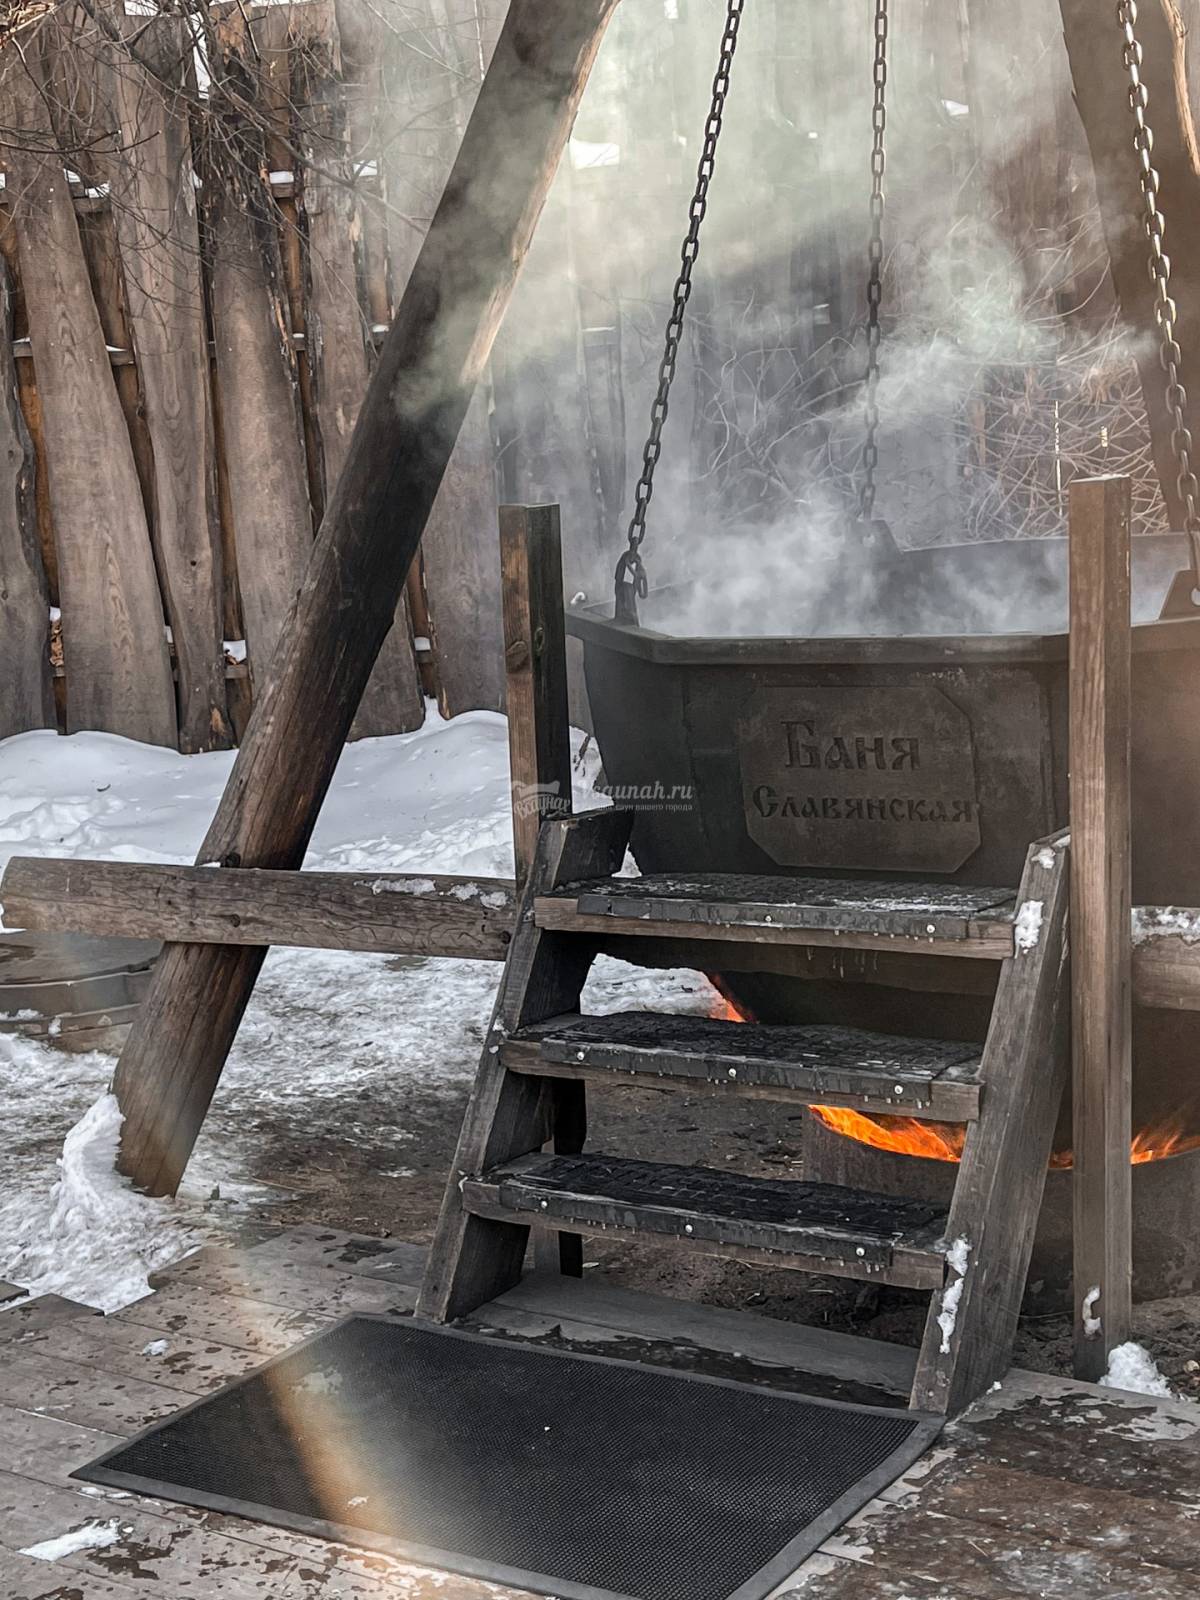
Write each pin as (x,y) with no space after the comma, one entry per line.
(595,625)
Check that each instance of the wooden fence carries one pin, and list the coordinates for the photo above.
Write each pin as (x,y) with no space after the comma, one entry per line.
(189,326)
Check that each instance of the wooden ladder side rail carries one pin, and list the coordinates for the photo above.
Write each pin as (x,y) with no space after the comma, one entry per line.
(473,1259)
(972,1322)
(426,374)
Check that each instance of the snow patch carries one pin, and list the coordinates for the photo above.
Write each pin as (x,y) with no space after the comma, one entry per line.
(93,1238)
(957,1257)
(404,886)
(1165,922)
(1045,857)
(329,1037)
(91,1536)
(1028,928)
(1092,1325)
(1130,1366)
(156,1347)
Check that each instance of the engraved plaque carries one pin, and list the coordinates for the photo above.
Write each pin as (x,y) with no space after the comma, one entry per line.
(876,779)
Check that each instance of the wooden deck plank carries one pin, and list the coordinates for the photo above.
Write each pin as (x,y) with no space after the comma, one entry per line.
(1046,1486)
(966,1555)
(224,1318)
(48,1448)
(292,1285)
(84,1394)
(152,1555)
(23,1578)
(627,1312)
(388,1260)
(43,1312)
(1035,1510)
(191,1366)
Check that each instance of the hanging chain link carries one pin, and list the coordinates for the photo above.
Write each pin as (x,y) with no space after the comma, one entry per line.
(1165,311)
(631,573)
(870,455)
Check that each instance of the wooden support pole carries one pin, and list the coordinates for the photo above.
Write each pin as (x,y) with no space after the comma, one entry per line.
(422,385)
(535,658)
(1100,917)
(539,745)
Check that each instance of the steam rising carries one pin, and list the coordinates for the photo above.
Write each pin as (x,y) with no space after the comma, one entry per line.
(1004,373)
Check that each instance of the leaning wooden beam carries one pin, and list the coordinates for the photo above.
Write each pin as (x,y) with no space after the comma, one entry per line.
(400,914)
(1100,917)
(420,390)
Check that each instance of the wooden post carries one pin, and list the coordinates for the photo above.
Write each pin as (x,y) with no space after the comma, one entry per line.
(539,745)
(419,393)
(1100,917)
(535,658)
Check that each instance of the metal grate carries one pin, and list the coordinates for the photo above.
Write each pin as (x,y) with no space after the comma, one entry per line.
(807,1045)
(570,1475)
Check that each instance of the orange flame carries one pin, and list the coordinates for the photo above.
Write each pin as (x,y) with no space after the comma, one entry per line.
(943,1141)
(936,1141)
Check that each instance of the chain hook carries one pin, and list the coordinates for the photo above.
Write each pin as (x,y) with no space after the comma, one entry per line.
(630,565)
(631,586)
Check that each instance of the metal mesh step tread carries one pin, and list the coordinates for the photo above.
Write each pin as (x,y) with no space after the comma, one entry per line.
(814,1065)
(872,906)
(816,1226)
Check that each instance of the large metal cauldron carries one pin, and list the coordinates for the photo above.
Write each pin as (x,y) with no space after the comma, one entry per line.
(919,757)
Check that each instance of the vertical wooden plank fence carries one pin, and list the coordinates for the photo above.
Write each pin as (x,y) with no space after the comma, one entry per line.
(27,697)
(112,612)
(155,215)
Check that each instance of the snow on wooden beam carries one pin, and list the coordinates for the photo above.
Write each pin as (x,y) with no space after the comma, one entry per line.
(384,912)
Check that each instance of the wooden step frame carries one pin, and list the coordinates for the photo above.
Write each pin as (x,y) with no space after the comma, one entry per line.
(478,1254)
(473,1259)
(972,1322)
(736,1072)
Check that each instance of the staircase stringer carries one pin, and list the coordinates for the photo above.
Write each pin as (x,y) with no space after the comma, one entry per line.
(972,1322)
(473,1259)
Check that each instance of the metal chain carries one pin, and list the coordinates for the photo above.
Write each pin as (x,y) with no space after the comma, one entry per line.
(630,575)
(1165,311)
(870,455)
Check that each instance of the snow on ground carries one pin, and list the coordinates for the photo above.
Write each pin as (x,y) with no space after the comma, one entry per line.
(1130,1366)
(328,1032)
(91,1536)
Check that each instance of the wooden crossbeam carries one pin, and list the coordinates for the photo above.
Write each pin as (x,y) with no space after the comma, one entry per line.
(393,913)
(343,911)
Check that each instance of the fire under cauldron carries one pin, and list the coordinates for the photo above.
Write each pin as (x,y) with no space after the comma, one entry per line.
(915,757)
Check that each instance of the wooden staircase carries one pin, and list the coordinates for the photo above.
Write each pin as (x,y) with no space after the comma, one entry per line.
(521,1161)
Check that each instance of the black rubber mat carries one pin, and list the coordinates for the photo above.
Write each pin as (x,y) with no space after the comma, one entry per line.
(571,1475)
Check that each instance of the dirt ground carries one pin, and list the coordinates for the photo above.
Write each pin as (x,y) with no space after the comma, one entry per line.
(358,1186)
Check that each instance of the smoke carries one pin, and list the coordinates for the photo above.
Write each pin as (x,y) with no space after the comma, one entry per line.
(1004,373)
